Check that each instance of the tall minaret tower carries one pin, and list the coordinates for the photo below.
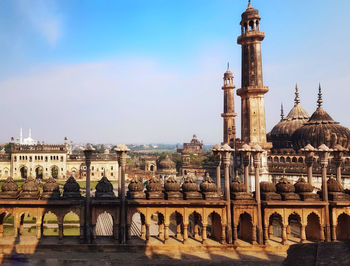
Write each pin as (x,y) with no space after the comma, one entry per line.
(229,109)
(253,127)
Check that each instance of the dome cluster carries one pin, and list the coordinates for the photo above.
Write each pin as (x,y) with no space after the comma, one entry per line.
(298,129)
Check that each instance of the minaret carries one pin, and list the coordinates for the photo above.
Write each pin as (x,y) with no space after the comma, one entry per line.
(253,126)
(229,109)
(21,136)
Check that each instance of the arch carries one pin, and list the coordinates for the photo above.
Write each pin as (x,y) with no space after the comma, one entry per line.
(282,160)
(137,227)
(195,225)
(245,227)
(54,171)
(39,172)
(7,224)
(343,227)
(214,227)
(151,167)
(288,160)
(24,171)
(275,225)
(156,227)
(71,224)
(275,159)
(294,225)
(313,227)
(50,224)
(6,172)
(176,224)
(301,160)
(27,224)
(294,159)
(104,224)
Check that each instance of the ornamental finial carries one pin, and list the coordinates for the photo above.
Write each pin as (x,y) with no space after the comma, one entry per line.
(249,4)
(296,99)
(282,112)
(319,101)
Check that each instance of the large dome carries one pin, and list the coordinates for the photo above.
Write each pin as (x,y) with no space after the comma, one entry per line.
(321,129)
(281,134)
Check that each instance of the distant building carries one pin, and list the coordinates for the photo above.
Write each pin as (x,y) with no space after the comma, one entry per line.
(194,147)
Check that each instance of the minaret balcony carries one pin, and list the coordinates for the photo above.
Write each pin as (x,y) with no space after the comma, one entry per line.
(252,91)
(228,115)
(251,36)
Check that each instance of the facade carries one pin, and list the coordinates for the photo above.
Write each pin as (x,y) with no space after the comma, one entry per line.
(42,161)
(193,147)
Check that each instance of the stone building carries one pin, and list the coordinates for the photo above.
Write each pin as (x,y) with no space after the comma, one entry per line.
(42,161)
(193,147)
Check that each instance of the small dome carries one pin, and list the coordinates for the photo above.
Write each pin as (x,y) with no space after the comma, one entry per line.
(228,74)
(167,163)
(208,185)
(135,185)
(284,186)
(104,185)
(71,185)
(237,185)
(267,187)
(302,186)
(51,186)
(334,186)
(154,185)
(9,185)
(30,185)
(250,13)
(171,184)
(189,185)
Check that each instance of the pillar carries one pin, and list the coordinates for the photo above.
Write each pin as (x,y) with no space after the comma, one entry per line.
(218,173)
(338,163)
(38,231)
(143,231)
(185,233)
(60,231)
(334,232)
(309,160)
(284,234)
(254,234)
(302,233)
(235,233)
(166,233)
(223,234)
(322,236)
(160,231)
(324,164)
(256,161)
(204,233)
(246,171)
(178,230)
(195,230)
(147,233)
(266,234)
(1,230)
(115,231)
(227,159)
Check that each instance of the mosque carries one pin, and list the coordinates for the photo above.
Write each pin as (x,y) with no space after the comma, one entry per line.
(283,187)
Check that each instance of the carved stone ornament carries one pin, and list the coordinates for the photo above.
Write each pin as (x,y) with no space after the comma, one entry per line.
(50,185)
(189,185)
(237,185)
(302,186)
(9,185)
(208,185)
(104,189)
(71,185)
(284,186)
(154,185)
(135,185)
(171,184)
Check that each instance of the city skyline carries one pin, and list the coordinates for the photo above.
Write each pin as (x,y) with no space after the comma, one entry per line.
(152,73)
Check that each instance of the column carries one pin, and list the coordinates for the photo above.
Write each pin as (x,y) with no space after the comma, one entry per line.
(60,231)
(322,236)
(284,234)
(1,230)
(302,233)
(115,231)
(235,233)
(256,162)
(223,234)
(178,230)
(338,164)
(309,159)
(218,173)
(246,171)
(88,231)
(254,234)
(38,231)
(204,233)
(166,233)
(160,230)
(143,231)
(324,164)
(266,234)
(227,159)
(185,233)
(334,232)
(147,233)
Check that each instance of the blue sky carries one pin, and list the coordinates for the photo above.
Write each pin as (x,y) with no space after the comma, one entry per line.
(151,70)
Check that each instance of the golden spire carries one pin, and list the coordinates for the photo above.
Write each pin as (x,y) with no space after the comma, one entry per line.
(249,4)
(319,101)
(296,99)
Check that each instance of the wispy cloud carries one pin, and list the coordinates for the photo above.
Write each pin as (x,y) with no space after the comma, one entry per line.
(44,17)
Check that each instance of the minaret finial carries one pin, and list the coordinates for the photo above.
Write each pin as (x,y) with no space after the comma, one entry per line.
(296,99)
(228,65)
(282,112)
(319,101)
(249,4)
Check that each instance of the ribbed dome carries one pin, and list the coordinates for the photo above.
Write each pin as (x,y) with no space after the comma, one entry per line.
(250,12)
(167,163)
(321,129)
(281,134)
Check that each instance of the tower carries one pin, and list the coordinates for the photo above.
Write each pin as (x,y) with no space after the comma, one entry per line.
(253,126)
(229,109)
